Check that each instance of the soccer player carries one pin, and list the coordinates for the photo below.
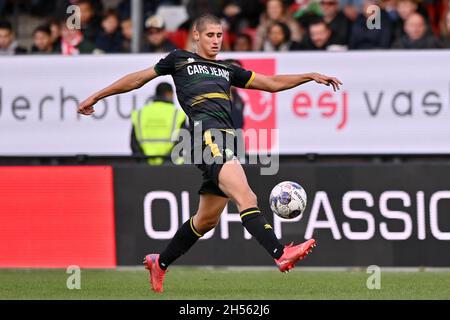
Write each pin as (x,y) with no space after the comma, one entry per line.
(203,89)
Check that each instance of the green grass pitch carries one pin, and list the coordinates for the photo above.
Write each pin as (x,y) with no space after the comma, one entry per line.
(204,283)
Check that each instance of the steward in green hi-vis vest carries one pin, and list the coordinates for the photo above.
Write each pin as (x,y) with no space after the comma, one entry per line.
(156,127)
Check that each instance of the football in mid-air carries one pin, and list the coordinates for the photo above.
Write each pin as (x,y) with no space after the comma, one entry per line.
(288,200)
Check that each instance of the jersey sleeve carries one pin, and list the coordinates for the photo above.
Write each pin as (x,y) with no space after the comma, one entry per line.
(242,78)
(166,65)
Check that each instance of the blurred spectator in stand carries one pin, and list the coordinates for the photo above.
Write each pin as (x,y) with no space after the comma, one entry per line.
(318,37)
(279,38)
(233,14)
(157,37)
(90,21)
(390,6)
(364,38)
(55,28)
(351,8)
(276,11)
(109,40)
(305,12)
(242,14)
(42,41)
(243,42)
(127,35)
(8,43)
(445,29)
(416,35)
(405,8)
(74,43)
(338,23)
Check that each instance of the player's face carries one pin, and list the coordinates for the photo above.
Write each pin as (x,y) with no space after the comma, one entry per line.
(209,41)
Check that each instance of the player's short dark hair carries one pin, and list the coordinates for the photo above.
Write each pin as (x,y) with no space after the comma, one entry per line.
(200,23)
(6,25)
(44,28)
(163,88)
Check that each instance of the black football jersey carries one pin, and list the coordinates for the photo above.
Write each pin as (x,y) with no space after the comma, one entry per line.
(203,87)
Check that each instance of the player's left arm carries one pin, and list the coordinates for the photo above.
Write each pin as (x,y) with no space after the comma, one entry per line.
(283,82)
(128,83)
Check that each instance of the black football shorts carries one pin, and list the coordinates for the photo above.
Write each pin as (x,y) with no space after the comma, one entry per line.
(218,146)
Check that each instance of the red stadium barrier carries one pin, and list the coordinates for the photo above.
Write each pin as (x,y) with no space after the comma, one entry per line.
(53,217)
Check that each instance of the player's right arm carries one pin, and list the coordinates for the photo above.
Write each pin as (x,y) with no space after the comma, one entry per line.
(279,83)
(250,80)
(128,83)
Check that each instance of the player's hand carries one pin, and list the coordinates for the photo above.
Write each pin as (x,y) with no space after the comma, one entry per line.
(87,106)
(326,80)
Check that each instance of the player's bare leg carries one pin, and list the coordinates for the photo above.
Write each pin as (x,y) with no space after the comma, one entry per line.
(233,182)
(206,218)
(208,214)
